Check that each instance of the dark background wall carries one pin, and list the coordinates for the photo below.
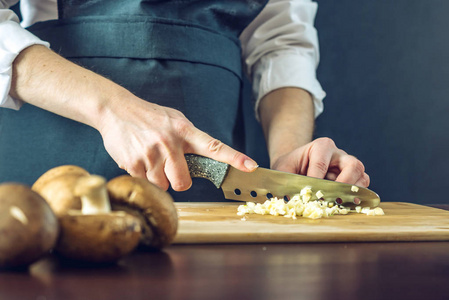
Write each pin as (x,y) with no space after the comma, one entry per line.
(385,68)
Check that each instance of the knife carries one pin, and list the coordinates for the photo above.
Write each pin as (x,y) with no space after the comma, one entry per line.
(264,184)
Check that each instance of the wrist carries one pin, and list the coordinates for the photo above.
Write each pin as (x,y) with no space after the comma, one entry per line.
(110,101)
(287,119)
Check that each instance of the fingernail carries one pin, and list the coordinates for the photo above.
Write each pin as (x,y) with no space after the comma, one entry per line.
(251,165)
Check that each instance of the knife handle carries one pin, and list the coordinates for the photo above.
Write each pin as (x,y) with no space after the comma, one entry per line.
(208,168)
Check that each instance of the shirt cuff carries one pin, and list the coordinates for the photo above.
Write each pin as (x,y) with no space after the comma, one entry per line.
(286,69)
(13,39)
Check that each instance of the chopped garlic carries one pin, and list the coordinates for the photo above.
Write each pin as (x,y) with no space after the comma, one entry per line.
(344,211)
(302,205)
(312,212)
(379,211)
(370,212)
(365,210)
(354,188)
(306,194)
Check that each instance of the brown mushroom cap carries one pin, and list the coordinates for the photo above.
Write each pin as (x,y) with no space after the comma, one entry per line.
(102,238)
(57,187)
(151,204)
(55,172)
(59,193)
(28,227)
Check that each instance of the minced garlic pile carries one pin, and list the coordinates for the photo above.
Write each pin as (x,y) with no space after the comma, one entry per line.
(302,205)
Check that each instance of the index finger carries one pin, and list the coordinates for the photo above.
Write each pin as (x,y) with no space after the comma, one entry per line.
(203,144)
(319,163)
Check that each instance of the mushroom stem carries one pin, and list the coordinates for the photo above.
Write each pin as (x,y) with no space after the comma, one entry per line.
(93,194)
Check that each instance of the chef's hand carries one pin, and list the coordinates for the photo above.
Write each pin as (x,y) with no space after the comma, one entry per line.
(145,139)
(287,118)
(149,141)
(322,159)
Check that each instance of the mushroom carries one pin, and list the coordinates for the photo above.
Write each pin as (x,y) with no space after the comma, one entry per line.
(57,187)
(28,227)
(152,205)
(95,233)
(55,172)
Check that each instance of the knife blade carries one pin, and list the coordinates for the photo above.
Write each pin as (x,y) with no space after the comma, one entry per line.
(263,184)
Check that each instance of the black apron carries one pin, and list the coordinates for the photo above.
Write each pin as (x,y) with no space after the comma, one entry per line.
(181,54)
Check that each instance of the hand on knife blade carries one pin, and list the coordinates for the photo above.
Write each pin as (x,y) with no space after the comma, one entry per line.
(263,184)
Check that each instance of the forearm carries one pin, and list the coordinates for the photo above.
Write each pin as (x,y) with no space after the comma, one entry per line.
(287,119)
(46,80)
(145,139)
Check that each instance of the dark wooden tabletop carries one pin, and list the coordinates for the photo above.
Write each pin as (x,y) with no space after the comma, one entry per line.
(406,270)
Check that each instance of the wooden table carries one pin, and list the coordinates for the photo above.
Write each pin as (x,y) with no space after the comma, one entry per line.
(407,270)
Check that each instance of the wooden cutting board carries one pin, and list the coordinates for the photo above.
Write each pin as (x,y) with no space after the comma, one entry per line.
(219,223)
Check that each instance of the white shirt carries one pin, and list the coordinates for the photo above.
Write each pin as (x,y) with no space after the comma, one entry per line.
(279,48)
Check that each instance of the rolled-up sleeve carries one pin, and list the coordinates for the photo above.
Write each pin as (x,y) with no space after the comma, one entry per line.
(13,39)
(280,49)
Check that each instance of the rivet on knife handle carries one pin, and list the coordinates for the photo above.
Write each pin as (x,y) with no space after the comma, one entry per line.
(204,167)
